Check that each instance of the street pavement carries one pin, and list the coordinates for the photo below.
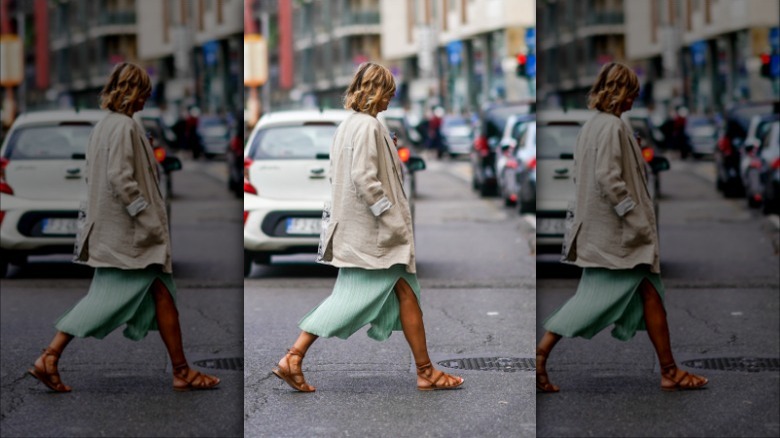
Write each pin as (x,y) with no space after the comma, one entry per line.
(477,277)
(121,387)
(719,263)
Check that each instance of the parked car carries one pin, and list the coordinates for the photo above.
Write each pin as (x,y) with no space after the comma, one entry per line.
(286,184)
(487,137)
(42,182)
(751,164)
(215,134)
(397,125)
(507,160)
(731,138)
(770,169)
(650,139)
(162,139)
(556,139)
(457,135)
(525,174)
(702,133)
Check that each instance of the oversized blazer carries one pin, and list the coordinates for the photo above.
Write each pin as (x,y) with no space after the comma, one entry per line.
(125,224)
(368,223)
(614,223)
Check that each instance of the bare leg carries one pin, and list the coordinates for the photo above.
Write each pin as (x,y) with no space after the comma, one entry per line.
(414,332)
(290,364)
(543,350)
(170,331)
(658,331)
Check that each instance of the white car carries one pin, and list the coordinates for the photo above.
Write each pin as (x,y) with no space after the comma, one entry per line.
(42,183)
(556,139)
(286,182)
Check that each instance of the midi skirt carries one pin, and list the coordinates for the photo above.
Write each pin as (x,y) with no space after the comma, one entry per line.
(117,297)
(360,297)
(605,297)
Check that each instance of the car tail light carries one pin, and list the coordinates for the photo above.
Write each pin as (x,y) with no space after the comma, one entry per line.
(2,216)
(776,164)
(404,153)
(755,164)
(159,154)
(532,163)
(513,197)
(249,188)
(4,187)
(246,215)
(757,197)
(511,164)
(724,144)
(481,145)
(648,153)
(247,163)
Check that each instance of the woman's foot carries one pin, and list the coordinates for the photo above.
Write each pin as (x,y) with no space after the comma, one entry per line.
(543,383)
(674,379)
(289,370)
(429,378)
(45,370)
(188,379)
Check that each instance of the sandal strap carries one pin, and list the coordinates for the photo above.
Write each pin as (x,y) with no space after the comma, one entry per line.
(295,352)
(48,351)
(424,366)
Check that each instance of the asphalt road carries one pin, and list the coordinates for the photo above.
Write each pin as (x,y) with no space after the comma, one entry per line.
(720,270)
(121,387)
(478,300)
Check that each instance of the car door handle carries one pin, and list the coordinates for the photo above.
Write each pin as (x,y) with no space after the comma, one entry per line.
(317,173)
(562,173)
(73,173)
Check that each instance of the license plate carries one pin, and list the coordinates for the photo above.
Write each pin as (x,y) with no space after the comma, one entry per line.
(60,226)
(308,226)
(551,226)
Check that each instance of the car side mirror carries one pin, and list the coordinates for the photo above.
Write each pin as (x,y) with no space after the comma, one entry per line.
(659,164)
(415,164)
(171,164)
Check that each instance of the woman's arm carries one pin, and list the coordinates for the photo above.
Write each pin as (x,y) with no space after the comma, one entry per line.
(121,171)
(365,167)
(610,144)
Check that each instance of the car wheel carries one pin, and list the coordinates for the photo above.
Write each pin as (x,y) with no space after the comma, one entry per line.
(486,190)
(527,207)
(733,189)
(247,263)
(3,268)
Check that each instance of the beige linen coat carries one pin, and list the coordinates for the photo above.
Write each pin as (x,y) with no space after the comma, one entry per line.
(614,224)
(368,223)
(125,224)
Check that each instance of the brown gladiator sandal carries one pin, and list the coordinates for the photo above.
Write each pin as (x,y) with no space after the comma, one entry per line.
(295,380)
(435,383)
(50,379)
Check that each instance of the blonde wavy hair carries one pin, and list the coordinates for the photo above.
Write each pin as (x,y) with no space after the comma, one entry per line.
(371,84)
(126,85)
(615,83)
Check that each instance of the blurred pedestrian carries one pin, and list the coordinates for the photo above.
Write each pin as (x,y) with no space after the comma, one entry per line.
(124,236)
(368,235)
(192,138)
(613,238)
(435,138)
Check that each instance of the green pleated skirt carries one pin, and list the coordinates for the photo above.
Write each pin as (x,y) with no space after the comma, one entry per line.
(605,297)
(117,297)
(360,297)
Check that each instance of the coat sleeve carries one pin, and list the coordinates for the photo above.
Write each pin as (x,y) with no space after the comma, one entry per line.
(365,168)
(121,173)
(611,143)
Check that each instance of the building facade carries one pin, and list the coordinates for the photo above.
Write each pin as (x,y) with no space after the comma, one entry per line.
(703,54)
(577,38)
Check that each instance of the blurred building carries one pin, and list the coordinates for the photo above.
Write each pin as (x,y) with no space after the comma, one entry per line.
(577,37)
(459,53)
(193,51)
(704,54)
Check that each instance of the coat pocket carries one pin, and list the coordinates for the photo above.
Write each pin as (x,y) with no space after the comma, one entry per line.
(148,230)
(636,230)
(325,248)
(392,230)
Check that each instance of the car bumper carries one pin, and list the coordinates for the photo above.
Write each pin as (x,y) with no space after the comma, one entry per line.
(21,229)
(264,227)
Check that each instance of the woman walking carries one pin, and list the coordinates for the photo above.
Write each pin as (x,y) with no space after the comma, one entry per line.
(124,236)
(613,238)
(367,234)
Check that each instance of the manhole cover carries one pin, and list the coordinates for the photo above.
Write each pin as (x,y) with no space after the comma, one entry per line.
(746,364)
(226,363)
(505,364)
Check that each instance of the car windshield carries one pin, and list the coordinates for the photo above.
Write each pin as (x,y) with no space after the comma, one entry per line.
(286,142)
(557,141)
(48,142)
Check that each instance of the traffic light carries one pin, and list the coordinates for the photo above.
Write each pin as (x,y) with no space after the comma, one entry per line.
(522,62)
(765,70)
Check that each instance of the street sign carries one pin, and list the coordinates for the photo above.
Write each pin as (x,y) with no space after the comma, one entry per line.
(530,37)
(774,65)
(530,65)
(210,50)
(698,50)
(453,52)
(255,60)
(11,61)
(774,37)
